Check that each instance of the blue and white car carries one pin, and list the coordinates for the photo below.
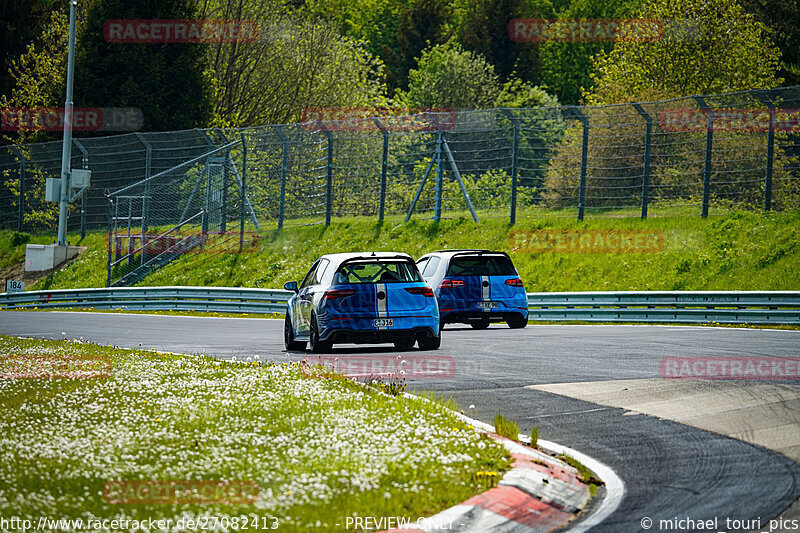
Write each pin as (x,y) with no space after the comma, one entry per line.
(476,287)
(369,297)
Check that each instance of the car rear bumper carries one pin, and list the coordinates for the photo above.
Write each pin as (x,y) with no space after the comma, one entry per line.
(376,336)
(494,315)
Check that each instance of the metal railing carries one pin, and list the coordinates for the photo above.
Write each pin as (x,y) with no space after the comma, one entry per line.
(687,307)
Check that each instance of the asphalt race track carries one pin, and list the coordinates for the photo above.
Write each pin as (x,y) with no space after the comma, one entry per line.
(671,470)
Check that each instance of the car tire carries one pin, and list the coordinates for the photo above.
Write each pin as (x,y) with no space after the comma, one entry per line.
(517,322)
(430,343)
(405,344)
(318,346)
(288,337)
(483,323)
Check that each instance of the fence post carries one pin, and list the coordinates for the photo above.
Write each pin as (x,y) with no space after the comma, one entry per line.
(284,170)
(384,167)
(437,210)
(584,155)
(767,101)
(21,199)
(329,180)
(243,190)
(85,166)
(148,166)
(709,147)
(109,238)
(648,133)
(512,219)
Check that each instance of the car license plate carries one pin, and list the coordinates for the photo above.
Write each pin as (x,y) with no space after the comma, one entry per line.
(383,323)
(487,305)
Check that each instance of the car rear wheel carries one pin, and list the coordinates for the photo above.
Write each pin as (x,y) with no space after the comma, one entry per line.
(483,323)
(517,322)
(318,346)
(288,337)
(405,344)
(430,343)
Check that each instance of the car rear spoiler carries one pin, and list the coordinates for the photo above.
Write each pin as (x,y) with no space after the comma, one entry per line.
(476,252)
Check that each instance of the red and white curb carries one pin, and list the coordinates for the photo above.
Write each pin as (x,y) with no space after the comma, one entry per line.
(539,494)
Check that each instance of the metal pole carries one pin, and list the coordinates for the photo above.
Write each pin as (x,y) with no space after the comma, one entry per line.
(284,170)
(329,181)
(514,162)
(648,132)
(767,101)
(422,185)
(437,210)
(21,200)
(243,190)
(384,167)
(66,150)
(709,147)
(109,239)
(85,166)
(457,174)
(584,155)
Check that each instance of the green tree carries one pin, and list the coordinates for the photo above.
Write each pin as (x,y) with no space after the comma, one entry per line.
(38,76)
(709,47)
(481,26)
(298,62)
(567,67)
(447,76)
(782,18)
(165,80)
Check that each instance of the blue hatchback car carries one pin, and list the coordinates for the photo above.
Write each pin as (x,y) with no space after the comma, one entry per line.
(476,287)
(370,297)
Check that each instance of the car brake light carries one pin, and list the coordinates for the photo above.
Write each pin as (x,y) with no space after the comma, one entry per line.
(451,283)
(425,291)
(516,282)
(332,294)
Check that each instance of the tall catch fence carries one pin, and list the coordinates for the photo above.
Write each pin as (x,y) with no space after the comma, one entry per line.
(689,156)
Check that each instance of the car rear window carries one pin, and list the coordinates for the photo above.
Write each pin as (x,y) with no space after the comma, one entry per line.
(377,272)
(481,265)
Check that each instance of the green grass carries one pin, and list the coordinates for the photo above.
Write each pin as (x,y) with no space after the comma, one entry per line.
(584,474)
(319,450)
(506,428)
(741,250)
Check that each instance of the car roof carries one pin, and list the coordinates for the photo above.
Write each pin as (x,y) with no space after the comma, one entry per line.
(342,257)
(465,251)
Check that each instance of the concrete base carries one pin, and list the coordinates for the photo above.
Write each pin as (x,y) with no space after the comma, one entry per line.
(39,257)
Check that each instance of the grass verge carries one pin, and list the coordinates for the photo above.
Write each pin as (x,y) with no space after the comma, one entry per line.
(737,251)
(319,450)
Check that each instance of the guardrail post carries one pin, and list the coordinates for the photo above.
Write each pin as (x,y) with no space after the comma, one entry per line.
(709,147)
(243,190)
(512,218)
(329,180)
(584,156)
(648,133)
(384,167)
(284,170)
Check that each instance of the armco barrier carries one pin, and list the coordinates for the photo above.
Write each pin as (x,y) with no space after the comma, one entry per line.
(688,307)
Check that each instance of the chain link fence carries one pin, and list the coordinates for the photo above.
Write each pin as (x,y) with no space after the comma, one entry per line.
(688,156)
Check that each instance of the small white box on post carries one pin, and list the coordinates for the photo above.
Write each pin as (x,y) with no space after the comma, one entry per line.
(52,189)
(80,178)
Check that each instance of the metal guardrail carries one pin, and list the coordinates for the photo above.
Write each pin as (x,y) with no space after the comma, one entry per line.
(688,307)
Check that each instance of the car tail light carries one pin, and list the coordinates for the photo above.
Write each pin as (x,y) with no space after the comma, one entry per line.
(451,283)
(425,291)
(516,282)
(332,294)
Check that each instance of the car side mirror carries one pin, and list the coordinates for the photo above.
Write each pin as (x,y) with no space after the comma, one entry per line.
(290,286)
